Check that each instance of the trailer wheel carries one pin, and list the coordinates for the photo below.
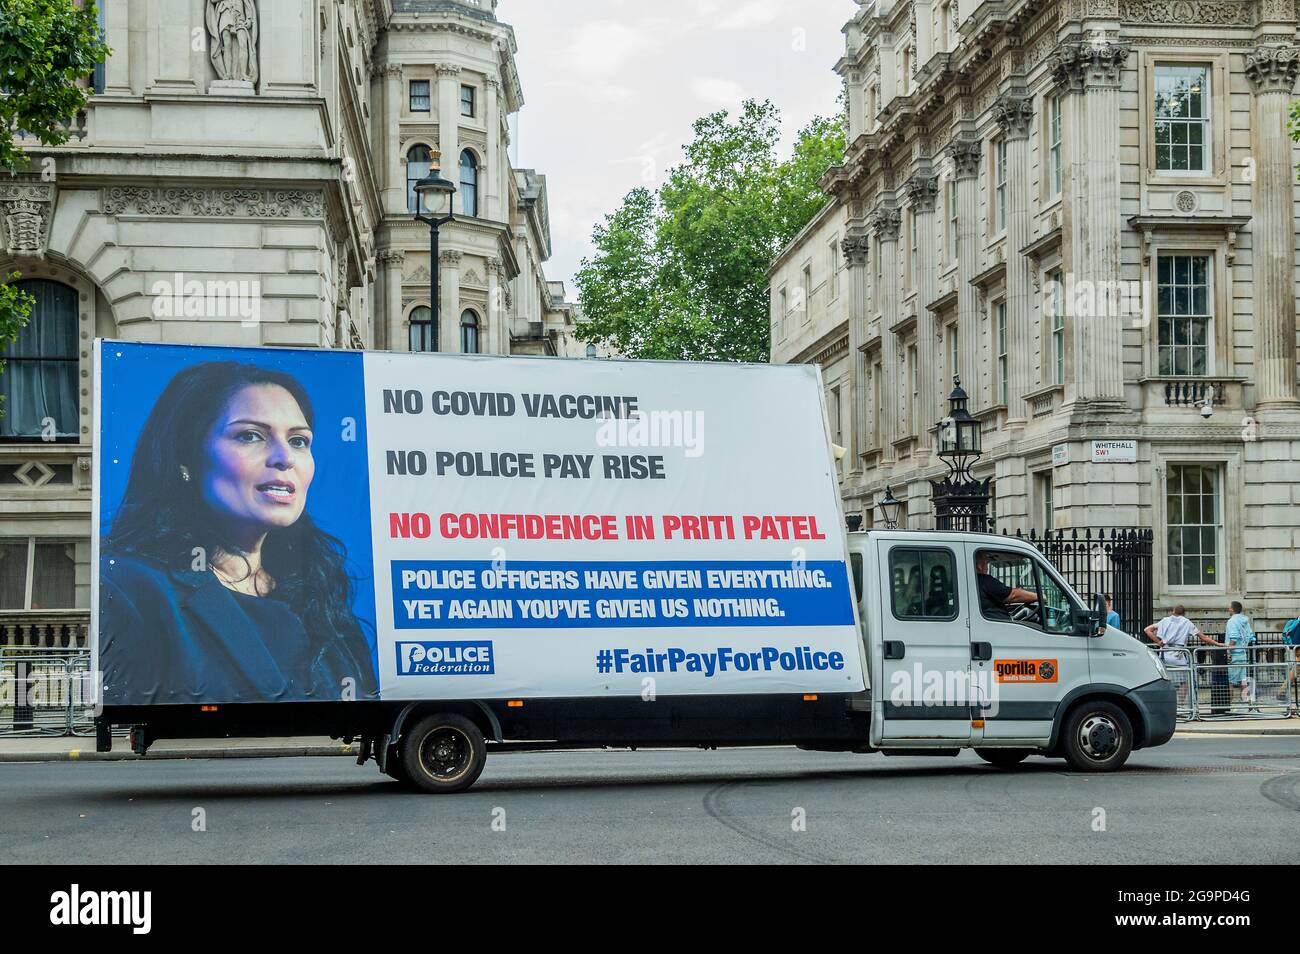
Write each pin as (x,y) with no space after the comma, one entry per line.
(443,753)
(1098,737)
(1004,758)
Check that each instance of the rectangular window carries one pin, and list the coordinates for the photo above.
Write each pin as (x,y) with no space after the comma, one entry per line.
(913,397)
(951,203)
(1054,142)
(834,250)
(923,583)
(1192,516)
(954,356)
(1000,331)
(877,403)
(1047,510)
(1182,118)
(1056,307)
(1184,316)
(911,259)
(420,102)
(467,101)
(1000,185)
(37,574)
(807,292)
(783,307)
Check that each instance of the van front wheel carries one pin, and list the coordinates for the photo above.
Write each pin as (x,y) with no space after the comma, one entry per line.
(444,753)
(1098,737)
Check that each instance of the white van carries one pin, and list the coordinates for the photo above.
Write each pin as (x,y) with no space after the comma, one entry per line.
(974,640)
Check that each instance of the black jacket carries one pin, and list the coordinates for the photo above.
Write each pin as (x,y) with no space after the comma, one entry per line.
(181,637)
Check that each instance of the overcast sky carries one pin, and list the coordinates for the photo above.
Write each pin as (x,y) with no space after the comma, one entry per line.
(611,88)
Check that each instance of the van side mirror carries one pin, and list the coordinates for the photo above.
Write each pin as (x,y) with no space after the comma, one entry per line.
(1091,622)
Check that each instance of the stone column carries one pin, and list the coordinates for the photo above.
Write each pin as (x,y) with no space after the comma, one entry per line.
(492,331)
(449,127)
(394,339)
(117,68)
(395,168)
(1014,113)
(1091,71)
(885,224)
(495,160)
(855,247)
(965,156)
(449,301)
(1272,73)
(923,190)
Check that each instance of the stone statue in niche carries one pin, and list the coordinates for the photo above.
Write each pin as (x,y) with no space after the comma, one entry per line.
(232,39)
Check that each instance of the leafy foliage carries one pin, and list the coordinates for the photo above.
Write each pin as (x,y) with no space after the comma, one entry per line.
(15,309)
(46,47)
(682,273)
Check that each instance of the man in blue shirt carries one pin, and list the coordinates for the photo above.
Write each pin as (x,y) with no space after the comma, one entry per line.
(1112,618)
(1238,637)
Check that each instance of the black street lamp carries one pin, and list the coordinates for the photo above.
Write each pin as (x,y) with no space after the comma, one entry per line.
(888,506)
(961,502)
(433,207)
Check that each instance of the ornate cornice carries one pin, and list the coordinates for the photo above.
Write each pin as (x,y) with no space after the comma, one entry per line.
(885,223)
(1189,12)
(922,191)
(1089,64)
(856,246)
(25,209)
(1014,112)
(224,203)
(965,156)
(1273,69)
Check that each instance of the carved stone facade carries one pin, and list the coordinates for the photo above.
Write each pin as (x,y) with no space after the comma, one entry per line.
(1044,264)
(274,160)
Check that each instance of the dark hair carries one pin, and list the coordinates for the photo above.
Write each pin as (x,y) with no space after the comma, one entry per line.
(163,517)
(1236,606)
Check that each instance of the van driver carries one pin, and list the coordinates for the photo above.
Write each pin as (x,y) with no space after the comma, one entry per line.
(994,594)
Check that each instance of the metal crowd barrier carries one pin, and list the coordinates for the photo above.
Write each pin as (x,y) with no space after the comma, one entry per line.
(1263,687)
(46,692)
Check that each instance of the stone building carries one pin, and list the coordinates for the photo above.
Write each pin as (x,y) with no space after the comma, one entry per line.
(1087,211)
(242,176)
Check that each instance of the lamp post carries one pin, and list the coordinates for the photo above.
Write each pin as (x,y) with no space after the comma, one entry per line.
(961,502)
(888,507)
(433,207)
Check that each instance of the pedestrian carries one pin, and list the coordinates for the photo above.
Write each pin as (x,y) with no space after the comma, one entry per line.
(1171,634)
(1238,636)
(1112,618)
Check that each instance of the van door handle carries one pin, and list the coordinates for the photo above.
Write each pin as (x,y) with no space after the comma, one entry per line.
(894,649)
(981,651)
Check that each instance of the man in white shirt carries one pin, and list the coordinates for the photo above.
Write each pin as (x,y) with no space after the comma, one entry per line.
(1172,633)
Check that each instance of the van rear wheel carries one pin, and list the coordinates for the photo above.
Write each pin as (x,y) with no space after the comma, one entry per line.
(1098,737)
(443,753)
(1004,758)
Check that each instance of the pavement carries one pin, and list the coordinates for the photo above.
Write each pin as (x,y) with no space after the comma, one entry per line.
(1201,798)
(82,748)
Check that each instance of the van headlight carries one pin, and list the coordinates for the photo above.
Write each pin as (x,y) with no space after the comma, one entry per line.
(1159,663)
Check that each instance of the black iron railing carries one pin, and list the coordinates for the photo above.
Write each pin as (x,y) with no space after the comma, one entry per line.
(1094,560)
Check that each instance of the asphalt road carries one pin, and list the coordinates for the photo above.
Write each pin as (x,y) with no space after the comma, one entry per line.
(1216,799)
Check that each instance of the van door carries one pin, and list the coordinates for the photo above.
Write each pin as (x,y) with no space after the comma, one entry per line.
(926,644)
(1027,655)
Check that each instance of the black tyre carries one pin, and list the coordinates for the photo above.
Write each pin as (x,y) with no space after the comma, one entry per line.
(443,753)
(1004,758)
(1097,737)
(395,767)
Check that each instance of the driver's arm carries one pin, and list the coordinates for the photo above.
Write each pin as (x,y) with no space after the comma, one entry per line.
(1018,595)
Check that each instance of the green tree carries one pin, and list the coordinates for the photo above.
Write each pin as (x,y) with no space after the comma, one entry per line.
(46,47)
(681,273)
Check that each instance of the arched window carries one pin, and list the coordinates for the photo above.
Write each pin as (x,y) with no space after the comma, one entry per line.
(468,183)
(422,329)
(419,160)
(468,332)
(39,383)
